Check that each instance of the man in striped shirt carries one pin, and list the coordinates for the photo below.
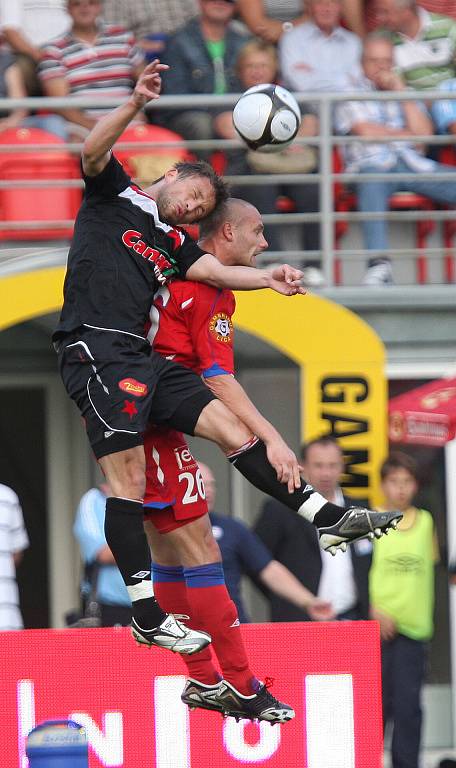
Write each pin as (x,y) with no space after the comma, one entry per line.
(424,43)
(93,60)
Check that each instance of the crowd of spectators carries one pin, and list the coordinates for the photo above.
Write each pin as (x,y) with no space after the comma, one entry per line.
(92,48)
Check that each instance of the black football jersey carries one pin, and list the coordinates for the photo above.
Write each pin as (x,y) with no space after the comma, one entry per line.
(120,255)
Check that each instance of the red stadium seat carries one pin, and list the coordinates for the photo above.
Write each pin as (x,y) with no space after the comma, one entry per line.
(43,204)
(145,164)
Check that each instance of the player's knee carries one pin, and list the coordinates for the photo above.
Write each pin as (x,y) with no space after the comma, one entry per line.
(131,482)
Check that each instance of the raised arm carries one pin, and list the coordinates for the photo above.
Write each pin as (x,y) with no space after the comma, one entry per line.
(283,279)
(99,142)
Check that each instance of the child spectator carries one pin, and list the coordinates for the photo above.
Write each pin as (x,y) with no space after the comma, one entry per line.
(402,601)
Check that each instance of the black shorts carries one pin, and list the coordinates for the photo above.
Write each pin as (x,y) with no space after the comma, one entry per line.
(119,387)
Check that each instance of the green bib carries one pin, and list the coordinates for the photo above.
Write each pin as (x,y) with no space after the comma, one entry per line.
(401,580)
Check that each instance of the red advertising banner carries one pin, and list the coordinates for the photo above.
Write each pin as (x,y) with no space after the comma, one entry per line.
(128,698)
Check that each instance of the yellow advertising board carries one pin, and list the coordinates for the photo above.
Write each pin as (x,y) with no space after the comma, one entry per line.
(341,359)
(343,387)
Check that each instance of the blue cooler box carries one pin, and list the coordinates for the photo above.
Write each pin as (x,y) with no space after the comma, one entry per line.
(57,744)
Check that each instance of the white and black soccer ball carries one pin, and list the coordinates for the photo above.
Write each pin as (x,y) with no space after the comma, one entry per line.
(267,117)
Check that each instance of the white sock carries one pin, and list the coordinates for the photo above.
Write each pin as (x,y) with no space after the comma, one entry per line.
(309,508)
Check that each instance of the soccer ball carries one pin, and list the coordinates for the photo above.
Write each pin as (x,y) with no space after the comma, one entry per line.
(267,117)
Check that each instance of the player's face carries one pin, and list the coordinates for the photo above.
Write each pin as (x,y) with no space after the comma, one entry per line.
(399,487)
(185,200)
(249,239)
(323,468)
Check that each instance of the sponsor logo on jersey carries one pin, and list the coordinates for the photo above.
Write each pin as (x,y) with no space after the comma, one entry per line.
(133,387)
(184,458)
(163,268)
(221,326)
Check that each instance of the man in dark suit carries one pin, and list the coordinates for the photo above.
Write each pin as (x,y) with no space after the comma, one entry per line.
(342,580)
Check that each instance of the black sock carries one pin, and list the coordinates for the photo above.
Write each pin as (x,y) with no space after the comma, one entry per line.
(124,531)
(254,465)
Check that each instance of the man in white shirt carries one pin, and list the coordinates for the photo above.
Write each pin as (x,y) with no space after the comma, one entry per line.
(320,55)
(13,541)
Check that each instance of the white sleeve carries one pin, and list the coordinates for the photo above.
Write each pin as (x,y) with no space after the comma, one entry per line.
(11,512)
(11,14)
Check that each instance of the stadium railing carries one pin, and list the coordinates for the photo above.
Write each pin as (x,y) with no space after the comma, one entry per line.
(333,218)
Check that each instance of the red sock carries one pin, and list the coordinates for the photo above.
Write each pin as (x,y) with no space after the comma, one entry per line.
(172,596)
(215,612)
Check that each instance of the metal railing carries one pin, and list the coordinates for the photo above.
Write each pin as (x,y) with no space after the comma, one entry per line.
(326,177)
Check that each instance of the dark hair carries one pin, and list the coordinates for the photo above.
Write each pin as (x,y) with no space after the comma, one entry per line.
(186,169)
(399,460)
(323,440)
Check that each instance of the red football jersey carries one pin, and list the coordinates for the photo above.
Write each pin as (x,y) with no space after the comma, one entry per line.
(191,324)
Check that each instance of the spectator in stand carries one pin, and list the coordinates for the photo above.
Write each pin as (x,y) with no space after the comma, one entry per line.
(25,26)
(402,598)
(92,59)
(341,581)
(12,87)
(269,19)
(395,120)
(320,55)
(110,591)
(361,15)
(424,43)
(257,63)
(151,21)
(13,542)
(243,553)
(202,58)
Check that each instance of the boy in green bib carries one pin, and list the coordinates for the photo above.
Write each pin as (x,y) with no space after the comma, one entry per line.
(401,584)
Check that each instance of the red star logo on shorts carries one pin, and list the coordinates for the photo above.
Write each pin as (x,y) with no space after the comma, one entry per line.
(130,408)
